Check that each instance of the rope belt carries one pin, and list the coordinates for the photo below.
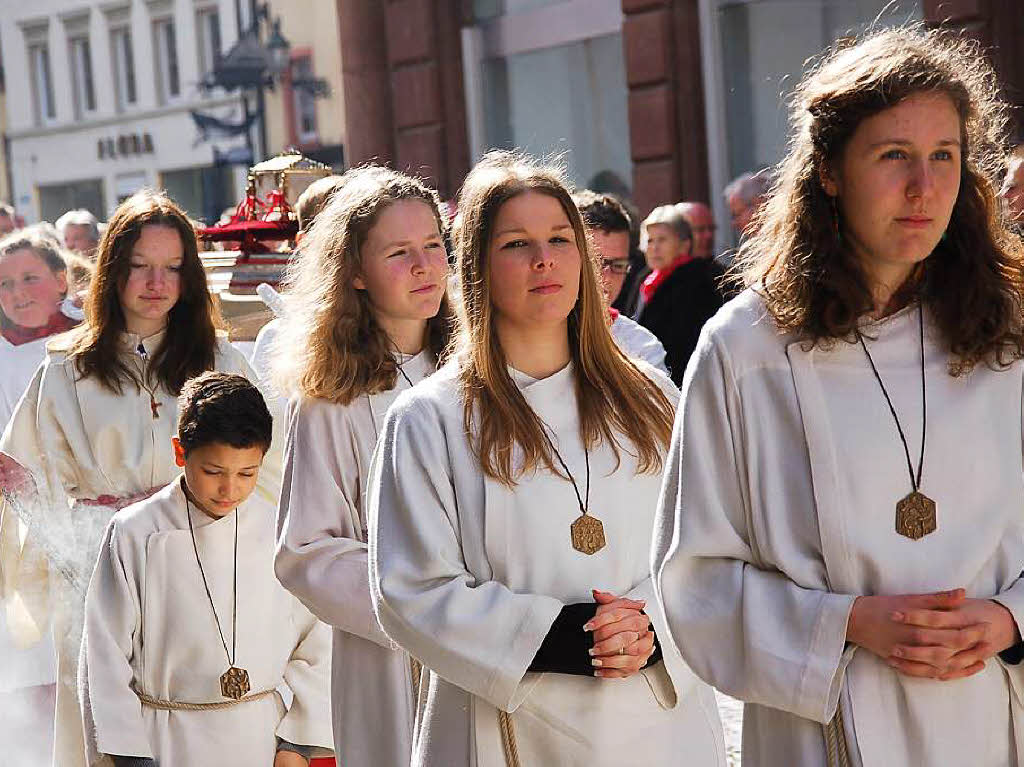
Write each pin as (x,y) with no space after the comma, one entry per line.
(174,705)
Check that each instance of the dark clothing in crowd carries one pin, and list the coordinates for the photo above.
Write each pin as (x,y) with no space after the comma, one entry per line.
(679,307)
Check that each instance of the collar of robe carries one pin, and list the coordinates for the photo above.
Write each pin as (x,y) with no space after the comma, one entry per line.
(130,341)
(16,335)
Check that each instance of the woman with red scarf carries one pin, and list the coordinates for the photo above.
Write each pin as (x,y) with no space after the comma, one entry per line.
(681,293)
(33,284)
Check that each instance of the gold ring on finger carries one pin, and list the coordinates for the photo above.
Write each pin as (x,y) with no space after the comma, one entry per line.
(622,651)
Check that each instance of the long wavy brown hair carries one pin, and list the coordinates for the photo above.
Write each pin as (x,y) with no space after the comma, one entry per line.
(190,342)
(331,346)
(615,399)
(972,282)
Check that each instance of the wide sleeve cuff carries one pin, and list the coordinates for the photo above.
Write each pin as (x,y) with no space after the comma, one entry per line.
(822,681)
(1013,600)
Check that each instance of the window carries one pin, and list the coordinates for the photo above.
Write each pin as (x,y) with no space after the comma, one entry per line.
(42,82)
(81,76)
(124,67)
(165,43)
(208,39)
(303,101)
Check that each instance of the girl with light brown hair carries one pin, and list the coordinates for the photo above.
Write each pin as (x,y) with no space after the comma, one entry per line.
(841,543)
(365,319)
(512,498)
(88,437)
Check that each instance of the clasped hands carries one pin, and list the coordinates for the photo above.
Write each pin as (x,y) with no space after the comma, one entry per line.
(619,623)
(940,636)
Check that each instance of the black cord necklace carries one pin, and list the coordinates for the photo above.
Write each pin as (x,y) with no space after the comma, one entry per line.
(915,512)
(234,683)
(586,531)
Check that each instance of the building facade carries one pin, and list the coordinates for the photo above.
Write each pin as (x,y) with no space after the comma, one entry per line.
(296,115)
(99,103)
(662,100)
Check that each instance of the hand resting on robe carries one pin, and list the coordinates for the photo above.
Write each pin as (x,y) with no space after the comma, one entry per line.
(940,636)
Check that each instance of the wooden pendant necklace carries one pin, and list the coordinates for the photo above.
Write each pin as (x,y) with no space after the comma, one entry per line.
(154,406)
(915,512)
(586,531)
(234,683)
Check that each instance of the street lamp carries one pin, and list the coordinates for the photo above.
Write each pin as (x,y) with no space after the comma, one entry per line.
(278,49)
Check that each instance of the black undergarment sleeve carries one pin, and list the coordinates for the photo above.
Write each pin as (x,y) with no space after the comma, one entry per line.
(565,648)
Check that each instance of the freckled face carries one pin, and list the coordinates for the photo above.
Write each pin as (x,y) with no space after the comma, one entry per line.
(404,263)
(153,286)
(897,182)
(29,291)
(534,261)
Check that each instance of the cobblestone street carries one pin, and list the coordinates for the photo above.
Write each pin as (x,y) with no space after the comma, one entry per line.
(732,721)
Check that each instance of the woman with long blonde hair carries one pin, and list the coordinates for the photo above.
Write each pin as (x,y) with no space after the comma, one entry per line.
(512,501)
(366,318)
(842,540)
(90,434)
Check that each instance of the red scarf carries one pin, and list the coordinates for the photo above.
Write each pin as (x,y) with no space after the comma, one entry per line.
(614,313)
(16,335)
(658,276)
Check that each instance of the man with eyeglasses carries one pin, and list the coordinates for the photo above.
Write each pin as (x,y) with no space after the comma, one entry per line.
(608,227)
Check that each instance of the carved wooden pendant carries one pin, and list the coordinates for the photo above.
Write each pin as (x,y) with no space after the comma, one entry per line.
(587,534)
(234,683)
(915,516)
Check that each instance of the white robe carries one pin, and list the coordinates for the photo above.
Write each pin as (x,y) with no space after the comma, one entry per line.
(779,508)
(149,627)
(638,342)
(34,665)
(321,558)
(468,575)
(77,441)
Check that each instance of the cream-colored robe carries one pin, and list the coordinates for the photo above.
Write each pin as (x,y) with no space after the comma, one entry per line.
(149,627)
(33,665)
(468,575)
(779,508)
(72,439)
(638,342)
(321,558)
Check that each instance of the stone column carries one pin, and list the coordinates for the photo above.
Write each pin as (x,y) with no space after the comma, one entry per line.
(666,101)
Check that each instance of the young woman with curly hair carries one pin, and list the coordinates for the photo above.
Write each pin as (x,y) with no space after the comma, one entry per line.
(90,434)
(366,318)
(841,543)
(512,499)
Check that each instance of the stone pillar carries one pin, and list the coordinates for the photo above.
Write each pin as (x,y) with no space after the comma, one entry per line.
(402,80)
(428,101)
(661,39)
(365,81)
(999,26)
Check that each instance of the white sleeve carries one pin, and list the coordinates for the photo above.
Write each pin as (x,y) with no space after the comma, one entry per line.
(745,628)
(113,609)
(321,555)
(307,674)
(477,634)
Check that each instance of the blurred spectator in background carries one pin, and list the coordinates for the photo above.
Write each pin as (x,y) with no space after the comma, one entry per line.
(79,232)
(307,207)
(1013,188)
(744,195)
(608,225)
(8,220)
(682,291)
(702,224)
